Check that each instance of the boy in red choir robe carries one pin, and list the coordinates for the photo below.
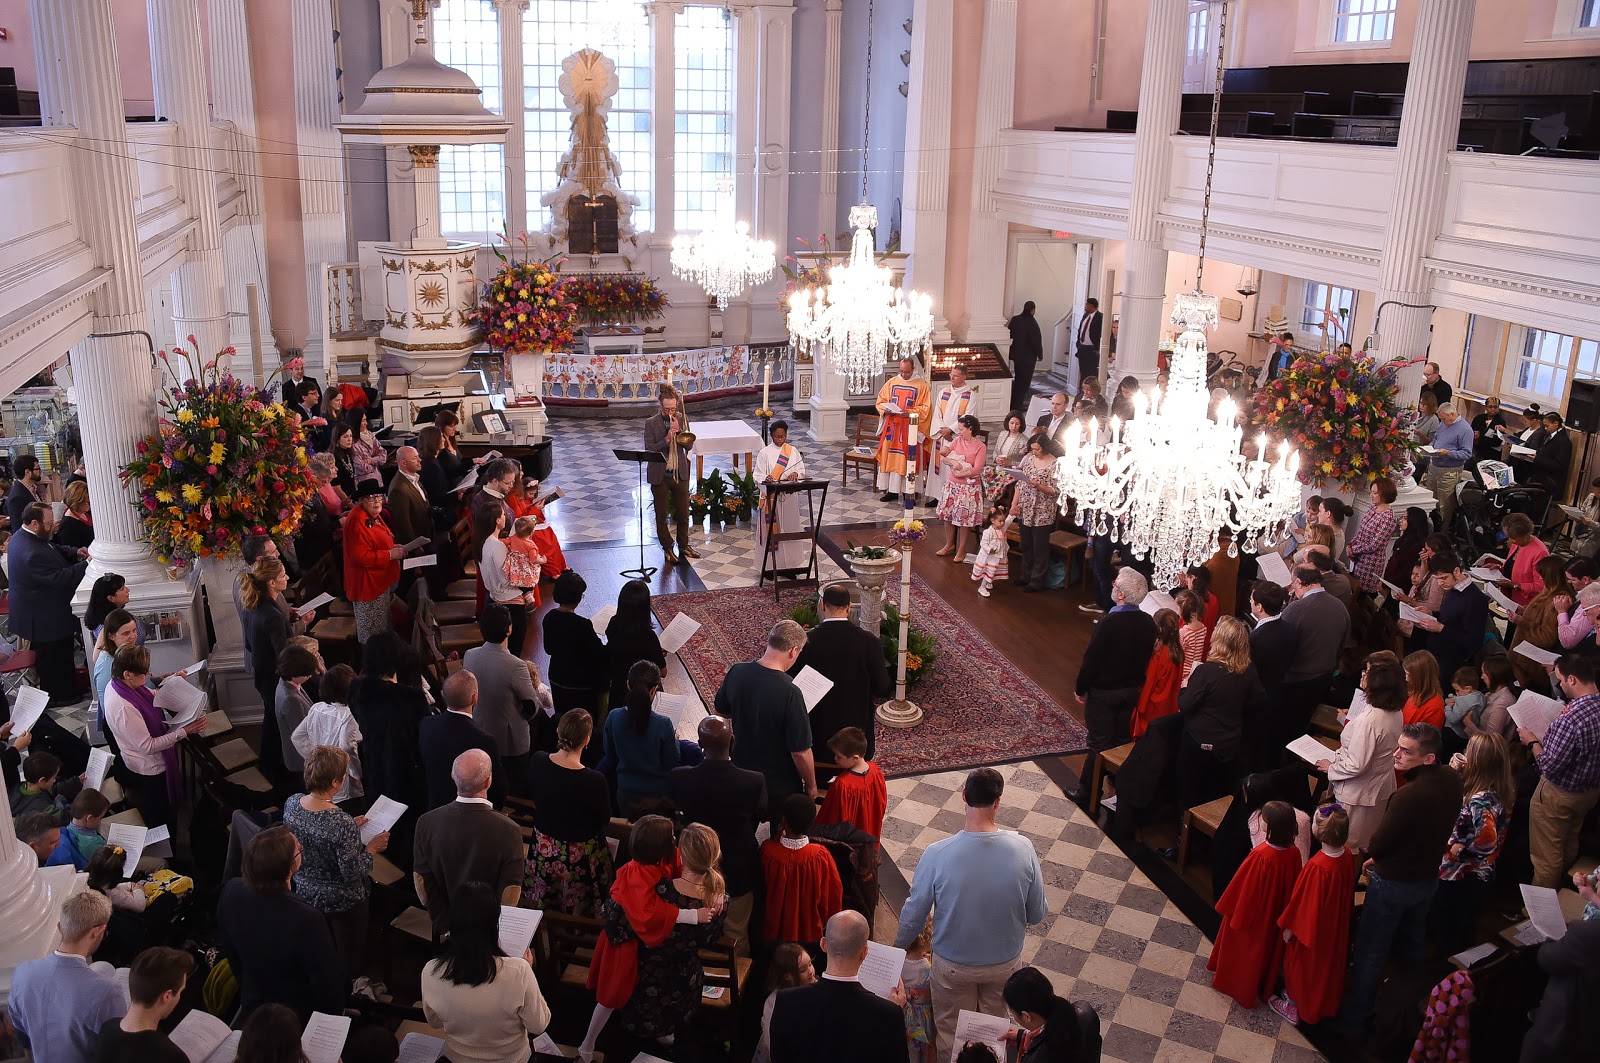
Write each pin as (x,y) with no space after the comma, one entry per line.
(858,795)
(1249,948)
(803,887)
(1316,925)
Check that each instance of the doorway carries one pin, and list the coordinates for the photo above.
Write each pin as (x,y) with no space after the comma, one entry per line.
(1055,273)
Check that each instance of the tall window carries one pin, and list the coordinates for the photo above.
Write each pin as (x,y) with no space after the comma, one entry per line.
(1321,314)
(702,121)
(1538,366)
(1356,21)
(553,30)
(1589,17)
(472,178)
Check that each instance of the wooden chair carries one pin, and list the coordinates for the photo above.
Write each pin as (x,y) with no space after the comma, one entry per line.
(1204,818)
(1108,763)
(453,638)
(569,943)
(864,451)
(724,969)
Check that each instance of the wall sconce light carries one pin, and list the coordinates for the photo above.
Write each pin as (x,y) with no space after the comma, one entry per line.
(905,89)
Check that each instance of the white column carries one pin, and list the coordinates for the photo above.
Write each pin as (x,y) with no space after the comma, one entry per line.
(927,177)
(199,292)
(663,84)
(774,46)
(1144,283)
(511,62)
(233,94)
(827,161)
(986,271)
(1429,126)
(321,160)
(746,104)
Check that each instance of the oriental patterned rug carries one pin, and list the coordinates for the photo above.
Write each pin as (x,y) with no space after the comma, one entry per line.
(979,707)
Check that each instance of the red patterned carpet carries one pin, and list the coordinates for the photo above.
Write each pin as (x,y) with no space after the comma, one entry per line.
(979,708)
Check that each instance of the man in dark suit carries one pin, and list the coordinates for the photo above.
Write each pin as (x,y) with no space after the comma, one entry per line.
(1321,623)
(409,515)
(1027,347)
(669,479)
(1455,634)
(1055,423)
(44,575)
(466,841)
(449,734)
(836,1018)
(1088,341)
(1114,664)
(731,801)
(1553,460)
(1272,646)
(853,660)
(27,476)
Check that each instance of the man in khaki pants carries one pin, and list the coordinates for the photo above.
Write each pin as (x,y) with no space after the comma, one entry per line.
(985,888)
(1569,769)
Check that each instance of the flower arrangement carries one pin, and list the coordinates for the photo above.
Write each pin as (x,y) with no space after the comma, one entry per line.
(1342,412)
(870,553)
(227,462)
(526,307)
(603,299)
(904,533)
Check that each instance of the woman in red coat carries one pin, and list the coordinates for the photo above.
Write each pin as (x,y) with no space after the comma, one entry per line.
(371,561)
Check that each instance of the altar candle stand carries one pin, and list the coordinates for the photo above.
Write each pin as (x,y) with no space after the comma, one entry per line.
(900,712)
(766,399)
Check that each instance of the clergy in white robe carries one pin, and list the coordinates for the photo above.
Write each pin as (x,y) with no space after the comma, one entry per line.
(954,401)
(781,460)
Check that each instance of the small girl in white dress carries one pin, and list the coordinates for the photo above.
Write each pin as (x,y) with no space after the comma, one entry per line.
(992,551)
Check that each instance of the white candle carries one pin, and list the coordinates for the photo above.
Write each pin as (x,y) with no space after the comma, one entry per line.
(669,372)
(766,385)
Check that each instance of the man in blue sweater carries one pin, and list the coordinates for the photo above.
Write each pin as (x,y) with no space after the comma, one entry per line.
(58,1004)
(985,889)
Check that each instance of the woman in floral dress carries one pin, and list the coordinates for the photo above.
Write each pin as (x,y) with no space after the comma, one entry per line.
(1005,454)
(1369,549)
(569,863)
(1034,506)
(961,507)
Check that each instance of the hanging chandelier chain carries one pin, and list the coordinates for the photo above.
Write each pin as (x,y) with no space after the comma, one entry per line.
(866,107)
(1211,146)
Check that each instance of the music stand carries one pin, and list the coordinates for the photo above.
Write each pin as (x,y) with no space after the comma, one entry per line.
(641,457)
(775,490)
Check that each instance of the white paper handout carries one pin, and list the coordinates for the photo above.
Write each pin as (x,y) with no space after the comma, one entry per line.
(880,971)
(1537,654)
(892,408)
(27,705)
(813,685)
(1486,574)
(1544,911)
(673,706)
(204,1038)
(182,702)
(1274,568)
(466,481)
(679,632)
(1573,511)
(1393,589)
(543,1044)
(1535,713)
(1523,452)
(134,840)
(316,603)
(323,1041)
(517,927)
(100,761)
(420,1048)
(602,619)
(421,540)
(1309,749)
(195,667)
(1468,957)
(1358,705)
(383,815)
(984,1029)
(423,561)
(1497,595)
(1155,601)
(1416,616)
(1488,561)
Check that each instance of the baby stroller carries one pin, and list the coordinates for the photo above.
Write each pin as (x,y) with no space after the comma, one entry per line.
(1479,512)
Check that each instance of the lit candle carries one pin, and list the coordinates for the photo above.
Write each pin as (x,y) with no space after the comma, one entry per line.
(669,372)
(766,385)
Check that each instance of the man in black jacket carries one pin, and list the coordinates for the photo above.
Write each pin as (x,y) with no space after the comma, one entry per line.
(1404,860)
(1321,624)
(447,735)
(1088,341)
(1027,347)
(836,1018)
(731,801)
(1553,460)
(1272,646)
(1113,668)
(26,478)
(853,660)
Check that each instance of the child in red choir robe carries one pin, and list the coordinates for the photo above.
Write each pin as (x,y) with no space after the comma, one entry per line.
(1316,925)
(1249,949)
(858,795)
(803,887)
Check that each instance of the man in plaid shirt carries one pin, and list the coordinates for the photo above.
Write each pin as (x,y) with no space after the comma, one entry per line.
(1569,769)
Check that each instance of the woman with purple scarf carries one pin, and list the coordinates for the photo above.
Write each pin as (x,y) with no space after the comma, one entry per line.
(149,746)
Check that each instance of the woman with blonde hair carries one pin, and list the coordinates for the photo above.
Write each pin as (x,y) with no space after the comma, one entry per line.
(268,623)
(1424,693)
(1221,693)
(1476,840)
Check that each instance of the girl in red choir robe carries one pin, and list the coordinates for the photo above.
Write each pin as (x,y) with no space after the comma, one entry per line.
(1316,925)
(523,501)
(858,795)
(1249,948)
(803,887)
(635,915)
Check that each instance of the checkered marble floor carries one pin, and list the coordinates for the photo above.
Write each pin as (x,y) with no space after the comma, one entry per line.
(602,494)
(1109,938)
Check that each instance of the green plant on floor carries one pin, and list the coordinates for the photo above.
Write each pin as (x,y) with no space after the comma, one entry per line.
(920,655)
(749,492)
(717,491)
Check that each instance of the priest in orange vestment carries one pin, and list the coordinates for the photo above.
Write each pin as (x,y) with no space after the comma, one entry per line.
(901,398)
(803,887)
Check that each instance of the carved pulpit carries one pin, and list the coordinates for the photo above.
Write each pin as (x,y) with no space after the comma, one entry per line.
(592,225)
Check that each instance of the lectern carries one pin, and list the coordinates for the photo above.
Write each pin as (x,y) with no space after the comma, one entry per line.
(816,499)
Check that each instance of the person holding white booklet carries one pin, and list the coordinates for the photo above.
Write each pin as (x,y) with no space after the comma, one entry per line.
(1361,772)
(487,1003)
(148,743)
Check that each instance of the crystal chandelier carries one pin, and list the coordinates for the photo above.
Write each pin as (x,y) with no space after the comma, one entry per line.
(1168,480)
(723,261)
(859,318)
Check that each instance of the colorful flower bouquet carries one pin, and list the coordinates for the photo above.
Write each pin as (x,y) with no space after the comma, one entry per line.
(903,533)
(605,299)
(1343,413)
(228,461)
(526,307)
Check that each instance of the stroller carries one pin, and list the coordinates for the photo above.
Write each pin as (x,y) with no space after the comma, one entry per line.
(1479,512)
